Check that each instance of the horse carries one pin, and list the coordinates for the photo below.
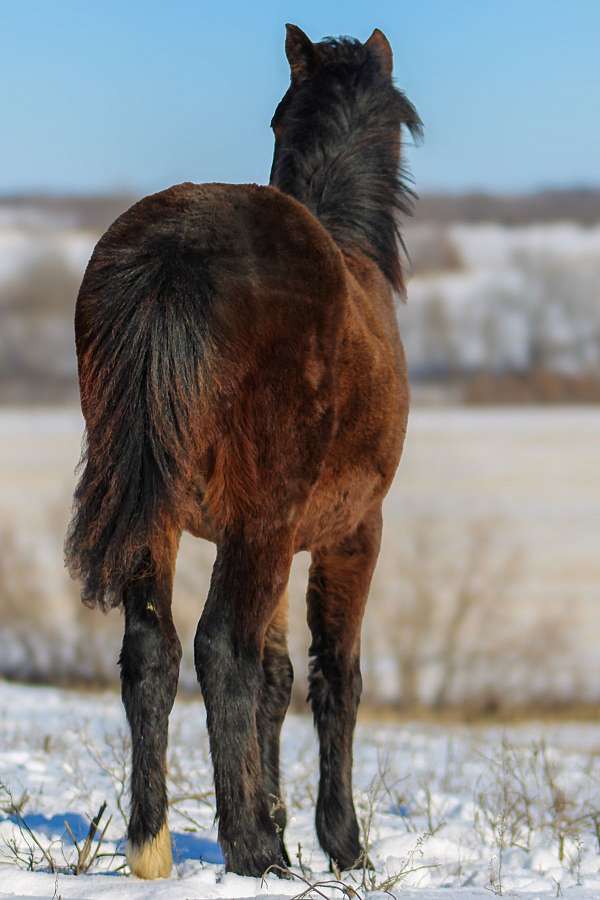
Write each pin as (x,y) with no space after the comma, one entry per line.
(242,378)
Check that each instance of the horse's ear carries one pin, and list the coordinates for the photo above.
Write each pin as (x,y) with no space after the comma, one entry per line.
(300,52)
(379,46)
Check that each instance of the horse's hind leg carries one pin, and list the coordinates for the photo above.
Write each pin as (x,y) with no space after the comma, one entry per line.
(338,588)
(149,672)
(248,580)
(272,706)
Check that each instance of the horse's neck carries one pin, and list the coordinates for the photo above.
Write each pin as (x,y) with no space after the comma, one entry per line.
(354,194)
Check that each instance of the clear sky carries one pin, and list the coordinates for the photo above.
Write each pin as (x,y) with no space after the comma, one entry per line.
(139,94)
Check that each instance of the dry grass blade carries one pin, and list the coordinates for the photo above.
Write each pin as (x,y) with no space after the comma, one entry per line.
(316,887)
(85,857)
(15,810)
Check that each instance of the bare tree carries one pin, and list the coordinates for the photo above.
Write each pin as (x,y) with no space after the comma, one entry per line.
(455,625)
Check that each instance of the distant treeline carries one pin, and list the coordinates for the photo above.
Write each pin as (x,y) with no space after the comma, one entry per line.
(523,330)
(581,205)
(93,212)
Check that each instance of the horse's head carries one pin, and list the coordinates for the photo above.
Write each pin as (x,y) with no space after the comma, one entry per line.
(338,86)
(337,141)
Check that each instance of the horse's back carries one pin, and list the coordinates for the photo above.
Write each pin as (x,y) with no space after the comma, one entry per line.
(254,233)
(258,269)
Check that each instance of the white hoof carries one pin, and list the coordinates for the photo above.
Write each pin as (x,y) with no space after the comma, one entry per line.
(154,859)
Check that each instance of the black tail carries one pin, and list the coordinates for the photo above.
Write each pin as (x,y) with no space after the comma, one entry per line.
(141,332)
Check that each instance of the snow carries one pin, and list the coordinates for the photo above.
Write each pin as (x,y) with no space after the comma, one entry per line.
(493,246)
(456,811)
(485,310)
(21,249)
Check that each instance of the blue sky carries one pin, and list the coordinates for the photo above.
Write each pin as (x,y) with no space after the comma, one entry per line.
(139,94)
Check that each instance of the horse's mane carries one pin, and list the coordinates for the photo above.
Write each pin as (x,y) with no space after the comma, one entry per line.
(339,155)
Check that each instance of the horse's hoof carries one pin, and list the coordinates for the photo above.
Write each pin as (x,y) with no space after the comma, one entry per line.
(360,861)
(282,871)
(256,865)
(153,858)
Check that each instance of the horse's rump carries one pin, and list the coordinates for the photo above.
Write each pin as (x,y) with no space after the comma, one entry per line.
(205,327)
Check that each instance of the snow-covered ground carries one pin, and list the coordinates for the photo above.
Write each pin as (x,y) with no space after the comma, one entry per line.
(20,247)
(446,810)
(510,288)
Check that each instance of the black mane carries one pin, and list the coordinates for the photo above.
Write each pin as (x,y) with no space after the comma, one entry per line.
(337,150)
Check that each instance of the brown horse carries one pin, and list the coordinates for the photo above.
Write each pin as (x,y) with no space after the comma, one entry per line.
(242,378)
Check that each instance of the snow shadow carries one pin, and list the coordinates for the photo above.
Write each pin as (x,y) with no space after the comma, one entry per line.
(52,826)
(185,845)
(191,846)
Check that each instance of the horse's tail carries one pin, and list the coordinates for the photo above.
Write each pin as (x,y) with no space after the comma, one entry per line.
(141,331)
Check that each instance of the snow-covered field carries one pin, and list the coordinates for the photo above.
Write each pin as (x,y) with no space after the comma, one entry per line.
(21,247)
(445,811)
(512,288)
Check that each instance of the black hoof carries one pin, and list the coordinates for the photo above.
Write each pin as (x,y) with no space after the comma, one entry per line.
(245,859)
(350,861)
(283,872)
(361,862)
